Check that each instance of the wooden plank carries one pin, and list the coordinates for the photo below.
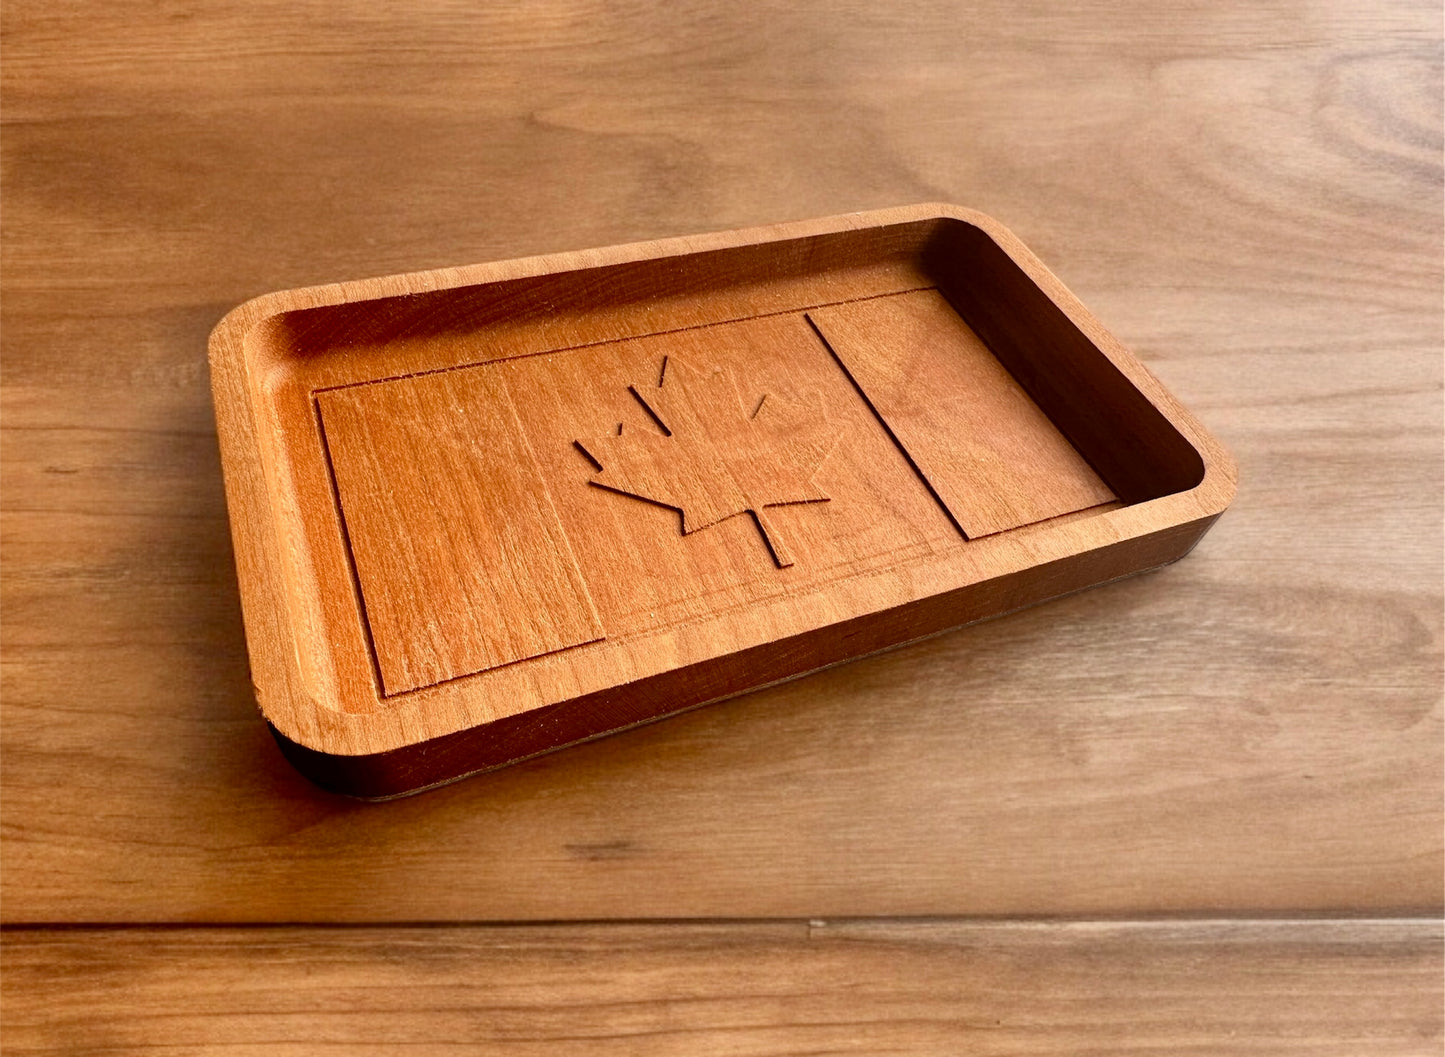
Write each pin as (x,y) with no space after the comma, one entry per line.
(461,561)
(1222,988)
(1255,728)
(1031,778)
(992,457)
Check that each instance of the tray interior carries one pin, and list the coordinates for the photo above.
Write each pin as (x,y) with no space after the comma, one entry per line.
(607,462)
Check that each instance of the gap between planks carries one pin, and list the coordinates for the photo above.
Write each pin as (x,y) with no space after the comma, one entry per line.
(1403,918)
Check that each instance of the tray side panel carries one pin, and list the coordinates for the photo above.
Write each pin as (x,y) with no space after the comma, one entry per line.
(1123,435)
(563,305)
(413,768)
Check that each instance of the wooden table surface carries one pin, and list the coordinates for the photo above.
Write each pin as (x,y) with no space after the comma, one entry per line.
(1198,811)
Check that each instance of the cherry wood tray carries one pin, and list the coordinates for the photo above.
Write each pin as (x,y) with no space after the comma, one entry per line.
(482,513)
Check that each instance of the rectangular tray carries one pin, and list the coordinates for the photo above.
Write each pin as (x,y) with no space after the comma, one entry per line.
(481,513)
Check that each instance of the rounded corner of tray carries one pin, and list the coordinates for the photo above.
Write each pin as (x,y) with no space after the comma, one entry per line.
(227,337)
(1220,483)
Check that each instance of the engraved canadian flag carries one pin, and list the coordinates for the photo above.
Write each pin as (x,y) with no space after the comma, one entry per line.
(716,450)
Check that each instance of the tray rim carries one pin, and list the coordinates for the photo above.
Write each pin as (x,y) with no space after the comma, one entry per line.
(272,623)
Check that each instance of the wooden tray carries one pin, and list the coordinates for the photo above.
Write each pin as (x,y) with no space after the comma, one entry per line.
(481,513)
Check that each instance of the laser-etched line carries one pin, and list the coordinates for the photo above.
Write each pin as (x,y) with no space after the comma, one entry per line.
(884,423)
(648,408)
(616,341)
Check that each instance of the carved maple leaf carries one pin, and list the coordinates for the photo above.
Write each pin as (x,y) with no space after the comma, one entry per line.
(715,453)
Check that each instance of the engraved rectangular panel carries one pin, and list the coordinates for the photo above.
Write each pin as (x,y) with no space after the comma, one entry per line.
(462,563)
(774,477)
(990,455)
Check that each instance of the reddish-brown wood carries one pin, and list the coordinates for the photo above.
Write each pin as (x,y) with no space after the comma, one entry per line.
(994,459)
(486,512)
(439,493)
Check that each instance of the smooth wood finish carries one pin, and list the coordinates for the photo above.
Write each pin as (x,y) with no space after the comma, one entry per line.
(653,567)
(1281,987)
(722,445)
(361,537)
(1249,194)
(996,461)
(462,562)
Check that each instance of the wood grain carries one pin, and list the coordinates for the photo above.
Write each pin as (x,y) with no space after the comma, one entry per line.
(996,460)
(723,445)
(1248,194)
(461,561)
(645,574)
(1283,987)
